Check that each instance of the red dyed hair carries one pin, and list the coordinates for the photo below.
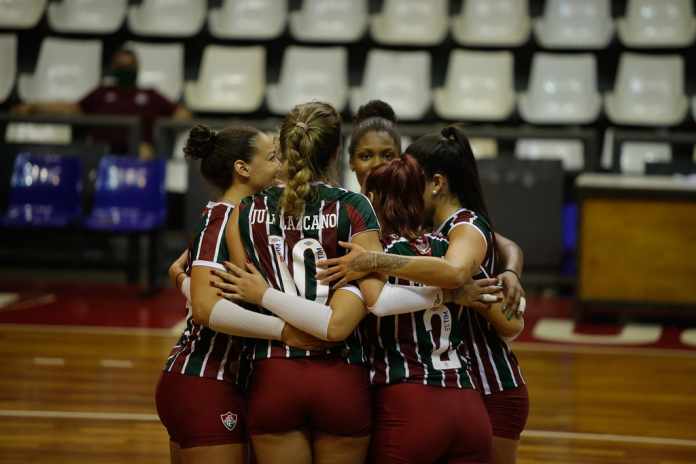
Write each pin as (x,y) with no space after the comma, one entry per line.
(397,189)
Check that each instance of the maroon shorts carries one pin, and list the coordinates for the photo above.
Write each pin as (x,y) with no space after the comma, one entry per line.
(508,411)
(318,394)
(424,424)
(199,411)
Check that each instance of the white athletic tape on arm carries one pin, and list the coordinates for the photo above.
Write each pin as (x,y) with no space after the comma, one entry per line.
(230,318)
(306,315)
(186,288)
(402,299)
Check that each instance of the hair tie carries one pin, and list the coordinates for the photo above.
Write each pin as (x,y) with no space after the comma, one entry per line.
(301,124)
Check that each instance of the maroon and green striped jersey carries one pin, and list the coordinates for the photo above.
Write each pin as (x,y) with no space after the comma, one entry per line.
(201,351)
(285,249)
(424,347)
(494,365)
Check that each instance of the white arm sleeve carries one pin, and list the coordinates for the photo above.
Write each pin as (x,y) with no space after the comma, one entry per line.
(232,319)
(306,315)
(186,288)
(402,299)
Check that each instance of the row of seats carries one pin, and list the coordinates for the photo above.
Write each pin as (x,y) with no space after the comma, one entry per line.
(46,191)
(479,86)
(567,24)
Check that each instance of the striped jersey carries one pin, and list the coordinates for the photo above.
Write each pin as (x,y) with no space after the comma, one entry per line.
(285,250)
(424,347)
(494,365)
(200,350)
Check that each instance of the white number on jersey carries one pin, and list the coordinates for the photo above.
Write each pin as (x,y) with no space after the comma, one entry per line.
(441,338)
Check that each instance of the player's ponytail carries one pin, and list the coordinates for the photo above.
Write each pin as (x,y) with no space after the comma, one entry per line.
(309,139)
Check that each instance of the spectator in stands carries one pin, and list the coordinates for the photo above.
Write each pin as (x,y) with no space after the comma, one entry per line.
(119,97)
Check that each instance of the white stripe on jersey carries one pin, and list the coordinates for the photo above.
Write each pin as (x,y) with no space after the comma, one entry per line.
(207,355)
(200,241)
(381,345)
(398,345)
(490,356)
(503,347)
(221,234)
(223,363)
(482,372)
(418,356)
(462,343)
(193,348)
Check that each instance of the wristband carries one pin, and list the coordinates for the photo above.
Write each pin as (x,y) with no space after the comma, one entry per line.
(510,270)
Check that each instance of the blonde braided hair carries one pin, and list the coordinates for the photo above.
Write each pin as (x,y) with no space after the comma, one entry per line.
(309,138)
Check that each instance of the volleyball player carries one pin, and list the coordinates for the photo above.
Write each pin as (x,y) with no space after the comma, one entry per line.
(197,396)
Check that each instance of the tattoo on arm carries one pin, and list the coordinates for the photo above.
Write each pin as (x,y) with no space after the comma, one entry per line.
(377,262)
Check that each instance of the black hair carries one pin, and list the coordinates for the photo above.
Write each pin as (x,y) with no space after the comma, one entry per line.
(374,116)
(449,153)
(218,151)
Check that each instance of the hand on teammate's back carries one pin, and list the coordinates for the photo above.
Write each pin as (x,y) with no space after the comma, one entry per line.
(512,291)
(348,268)
(477,294)
(238,284)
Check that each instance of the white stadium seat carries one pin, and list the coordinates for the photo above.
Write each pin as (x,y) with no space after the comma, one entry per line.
(479,86)
(635,155)
(230,79)
(411,22)
(648,91)
(167,18)
(402,79)
(657,24)
(161,67)
(8,72)
(248,19)
(66,71)
(310,74)
(562,90)
(337,21)
(570,152)
(87,16)
(575,24)
(21,14)
(492,23)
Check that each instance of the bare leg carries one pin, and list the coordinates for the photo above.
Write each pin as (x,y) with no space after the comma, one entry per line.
(289,448)
(504,451)
(174,453)
(220,454)
(334,449)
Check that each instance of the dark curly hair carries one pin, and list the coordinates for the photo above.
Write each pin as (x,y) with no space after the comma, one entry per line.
(374,116)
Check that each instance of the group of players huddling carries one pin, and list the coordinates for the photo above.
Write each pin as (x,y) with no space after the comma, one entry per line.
(330,326)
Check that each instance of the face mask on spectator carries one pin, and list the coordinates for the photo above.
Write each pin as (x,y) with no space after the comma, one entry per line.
(125,77)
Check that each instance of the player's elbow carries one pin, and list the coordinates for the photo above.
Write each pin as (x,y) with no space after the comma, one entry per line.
(457,277)
(512,329)
(339,328)
(200,309)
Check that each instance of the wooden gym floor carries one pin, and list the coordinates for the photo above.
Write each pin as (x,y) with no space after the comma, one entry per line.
(83,392)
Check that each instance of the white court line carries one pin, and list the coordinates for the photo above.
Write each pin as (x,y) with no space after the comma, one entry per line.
(40,361)
(587,349)
(127,416)
(609,437)
(94,329)
(117,363)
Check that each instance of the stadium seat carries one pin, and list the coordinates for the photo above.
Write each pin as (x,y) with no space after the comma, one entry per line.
(129,195)
(30,132)
(167,18)
(45,191)
(575,24)
(478,86)
(570,152)
(402,79)
(562,90)
(248,19)
(87,16)
(21,14)
(484,148)
(649,90)
(337,21)
(657,24)
(411,22)
(492,23)
(8,71)
(310,74)
(229,79)
(634,156)
(161,66)
(66,71)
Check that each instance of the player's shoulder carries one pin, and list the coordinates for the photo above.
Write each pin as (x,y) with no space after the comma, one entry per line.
(332,193)
(269,194)
(217,209)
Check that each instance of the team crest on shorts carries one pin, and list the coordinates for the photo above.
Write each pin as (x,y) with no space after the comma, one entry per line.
(229,420)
